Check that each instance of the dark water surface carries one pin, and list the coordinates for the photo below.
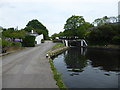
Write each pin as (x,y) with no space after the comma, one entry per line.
(89,68)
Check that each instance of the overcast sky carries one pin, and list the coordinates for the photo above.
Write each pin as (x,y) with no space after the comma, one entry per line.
(53,13)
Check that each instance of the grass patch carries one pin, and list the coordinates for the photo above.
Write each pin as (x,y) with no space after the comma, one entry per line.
(106,46)
(57,48)
(57,45)
(57,76)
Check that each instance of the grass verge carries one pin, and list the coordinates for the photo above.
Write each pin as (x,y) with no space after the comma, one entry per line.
(58,45)
(57,48)
(57,76)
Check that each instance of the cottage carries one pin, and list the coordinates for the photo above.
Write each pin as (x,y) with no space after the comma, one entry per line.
(38,37)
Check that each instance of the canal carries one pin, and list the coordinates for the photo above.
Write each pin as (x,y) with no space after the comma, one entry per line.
(89,68)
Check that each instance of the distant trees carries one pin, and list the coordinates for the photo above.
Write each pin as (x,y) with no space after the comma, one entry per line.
(105,20)
(38,27)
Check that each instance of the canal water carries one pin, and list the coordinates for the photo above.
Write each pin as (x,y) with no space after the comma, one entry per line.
(89,68)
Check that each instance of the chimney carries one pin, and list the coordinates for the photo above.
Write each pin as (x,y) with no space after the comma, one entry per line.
(32,31)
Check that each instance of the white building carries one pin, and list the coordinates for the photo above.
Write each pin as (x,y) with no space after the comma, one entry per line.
(38,37)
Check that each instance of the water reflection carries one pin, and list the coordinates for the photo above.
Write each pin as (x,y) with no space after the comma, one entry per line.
(75,60)
(107,60)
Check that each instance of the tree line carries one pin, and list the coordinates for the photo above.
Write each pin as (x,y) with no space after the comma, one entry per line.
(103,31)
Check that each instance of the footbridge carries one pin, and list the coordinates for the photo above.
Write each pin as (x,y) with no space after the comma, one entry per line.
(73,41)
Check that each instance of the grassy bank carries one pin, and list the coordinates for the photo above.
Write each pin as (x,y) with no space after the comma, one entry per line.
(58,45)
(58,48)
(105,46)
(57,76)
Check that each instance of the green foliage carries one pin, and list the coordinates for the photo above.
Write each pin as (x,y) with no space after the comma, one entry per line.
(54,36)
(74,22)
(57,45)
(116,40)
(57,76)
(29,41)
(38,27)
(11,33)
(76,26)
(105,20)
(104,35)
(16,44)
(6,43)
(36,24)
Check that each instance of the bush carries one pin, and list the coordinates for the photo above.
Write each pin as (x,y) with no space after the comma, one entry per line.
(116,40)
(104,35)
(29,41)
(6,43)
(16,44)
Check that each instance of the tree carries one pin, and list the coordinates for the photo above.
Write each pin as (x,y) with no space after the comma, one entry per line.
(38,27)
(98,22)
(54,36)
(76,26)
(74,22)
(72,25)
(105,20)
(113,19)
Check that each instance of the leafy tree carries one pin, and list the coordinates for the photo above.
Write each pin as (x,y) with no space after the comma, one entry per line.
(76,26)
(54,36)
(74,22)
(38,27)
(98,22)
(72,25)
(113,19)
(105,20)
(82,30)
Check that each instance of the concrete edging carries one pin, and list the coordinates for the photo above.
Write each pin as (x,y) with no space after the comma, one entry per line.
(53,53)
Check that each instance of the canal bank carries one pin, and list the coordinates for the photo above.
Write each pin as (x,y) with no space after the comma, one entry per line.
(106,47)
(54,51)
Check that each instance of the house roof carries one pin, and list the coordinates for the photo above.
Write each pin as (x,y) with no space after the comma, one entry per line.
(32,33)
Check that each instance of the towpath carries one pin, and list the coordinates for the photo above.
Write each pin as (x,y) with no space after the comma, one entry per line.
(28,68)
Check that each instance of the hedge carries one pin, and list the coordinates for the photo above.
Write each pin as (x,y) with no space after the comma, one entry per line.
(29,41)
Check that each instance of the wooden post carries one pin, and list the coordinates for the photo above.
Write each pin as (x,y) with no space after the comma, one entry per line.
(85,42)
(66,43)
(81,42)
